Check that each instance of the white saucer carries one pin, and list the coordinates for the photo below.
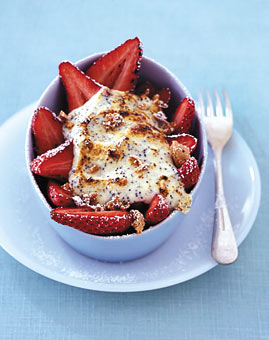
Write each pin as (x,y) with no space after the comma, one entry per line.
(26,236)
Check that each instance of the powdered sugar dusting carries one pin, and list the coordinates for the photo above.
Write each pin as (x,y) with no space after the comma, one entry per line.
(27,235)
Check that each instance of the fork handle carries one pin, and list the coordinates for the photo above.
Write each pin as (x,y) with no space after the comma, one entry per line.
(224,247)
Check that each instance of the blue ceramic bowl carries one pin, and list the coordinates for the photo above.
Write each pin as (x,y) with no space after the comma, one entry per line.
(131,246)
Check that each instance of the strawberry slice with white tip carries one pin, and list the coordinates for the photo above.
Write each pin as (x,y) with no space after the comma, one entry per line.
(47,130)
(189,173)
(93,222)
(158,210)
(185,139)
(55,163)
(79,88)
(184,115)
(119,68)
(58,195)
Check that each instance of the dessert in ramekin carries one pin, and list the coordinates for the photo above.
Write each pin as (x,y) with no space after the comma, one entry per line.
(123,173)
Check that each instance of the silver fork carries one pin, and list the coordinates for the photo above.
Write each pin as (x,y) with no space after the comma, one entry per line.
(219,128)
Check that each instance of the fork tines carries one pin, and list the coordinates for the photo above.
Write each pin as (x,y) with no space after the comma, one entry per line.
(209,110)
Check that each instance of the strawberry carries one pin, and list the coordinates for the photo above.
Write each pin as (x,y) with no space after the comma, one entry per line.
(55,163)
(185,139)
(189,172)
(79,88)
(58,195)
(119,68)
(158,210)
(150,90)
(183,116)
(165,94)
(47,130)
(93,222)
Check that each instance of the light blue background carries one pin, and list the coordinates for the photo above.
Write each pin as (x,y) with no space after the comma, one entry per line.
(206,44)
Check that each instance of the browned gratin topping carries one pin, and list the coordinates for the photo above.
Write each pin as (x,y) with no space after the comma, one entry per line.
(120,150)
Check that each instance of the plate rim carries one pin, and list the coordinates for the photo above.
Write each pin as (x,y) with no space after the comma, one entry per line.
(144,286)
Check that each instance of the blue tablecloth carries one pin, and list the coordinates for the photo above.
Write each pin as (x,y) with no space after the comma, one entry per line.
(206,44)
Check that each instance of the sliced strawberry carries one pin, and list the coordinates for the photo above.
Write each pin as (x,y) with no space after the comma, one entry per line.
(47,130)
(165,94)
(183,116)
(58,195)
(150,90)
(185,139)
(55,163)
(93,222)
(118,69)
(158,210)
(189,172)
(79,88)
